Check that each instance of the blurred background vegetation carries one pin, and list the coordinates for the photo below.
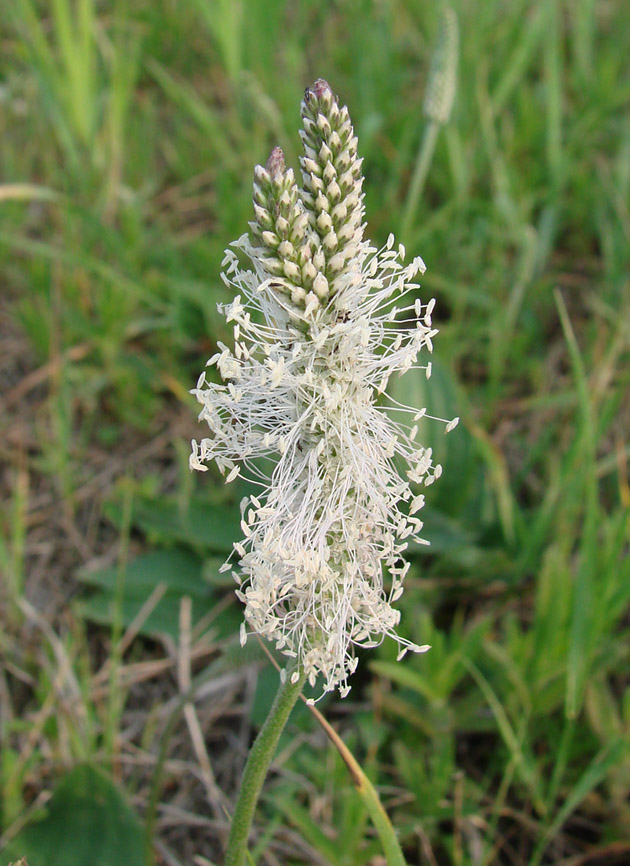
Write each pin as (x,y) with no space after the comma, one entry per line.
(129,132)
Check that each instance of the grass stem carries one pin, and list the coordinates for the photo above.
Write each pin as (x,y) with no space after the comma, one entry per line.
(419,176)
(369,796)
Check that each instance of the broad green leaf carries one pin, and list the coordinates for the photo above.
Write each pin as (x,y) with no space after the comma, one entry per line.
(179,572)
(179,569)
(444,533)
(202,525)
(86,821)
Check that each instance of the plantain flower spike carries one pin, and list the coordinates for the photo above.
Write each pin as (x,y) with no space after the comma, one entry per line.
(321,321)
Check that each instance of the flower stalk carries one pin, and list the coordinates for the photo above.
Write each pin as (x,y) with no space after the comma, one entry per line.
(438,104)
(257,766)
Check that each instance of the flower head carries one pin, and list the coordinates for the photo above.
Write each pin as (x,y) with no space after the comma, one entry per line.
(321,322)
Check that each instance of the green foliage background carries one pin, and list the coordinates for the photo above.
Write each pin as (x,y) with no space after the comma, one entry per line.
(129,132)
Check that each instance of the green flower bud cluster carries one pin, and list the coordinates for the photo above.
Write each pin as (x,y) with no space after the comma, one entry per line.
(332,177)
(279,220)
(307,239)
(289,249)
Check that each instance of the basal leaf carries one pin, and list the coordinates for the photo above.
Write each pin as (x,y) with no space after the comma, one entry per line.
(86,821)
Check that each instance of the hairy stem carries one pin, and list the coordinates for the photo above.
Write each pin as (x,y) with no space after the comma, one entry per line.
(256,769)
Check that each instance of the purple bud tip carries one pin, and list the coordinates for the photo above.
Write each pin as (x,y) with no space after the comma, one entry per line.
(320,90)
(275,163)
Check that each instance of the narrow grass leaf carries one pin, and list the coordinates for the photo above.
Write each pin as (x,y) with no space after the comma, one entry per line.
(594,774)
